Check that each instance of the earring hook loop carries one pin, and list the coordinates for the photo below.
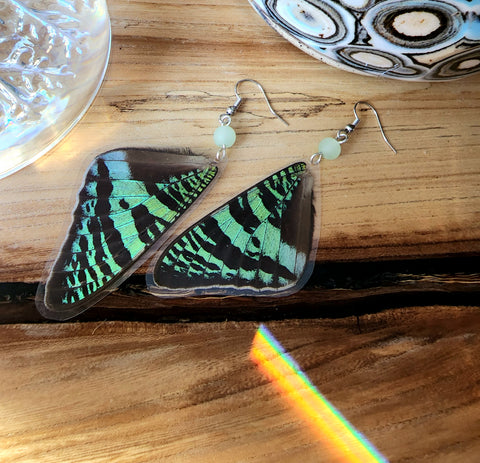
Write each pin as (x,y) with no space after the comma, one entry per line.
(349,128)
(232,109)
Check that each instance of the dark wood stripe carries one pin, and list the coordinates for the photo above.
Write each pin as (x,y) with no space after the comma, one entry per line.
(334,290)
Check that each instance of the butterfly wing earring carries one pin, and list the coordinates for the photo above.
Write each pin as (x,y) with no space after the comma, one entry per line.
(129,200)
(259,243)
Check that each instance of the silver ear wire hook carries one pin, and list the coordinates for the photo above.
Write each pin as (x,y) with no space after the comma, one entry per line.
(231,110)
(329,148)
(226,118)
(343,134)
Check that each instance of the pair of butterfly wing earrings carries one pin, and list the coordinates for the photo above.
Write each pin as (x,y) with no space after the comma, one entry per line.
(260,243)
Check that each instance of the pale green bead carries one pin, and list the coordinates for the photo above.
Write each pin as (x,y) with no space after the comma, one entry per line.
(224,135)
(329,148)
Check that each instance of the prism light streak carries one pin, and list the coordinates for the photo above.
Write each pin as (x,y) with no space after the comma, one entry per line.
(348,444)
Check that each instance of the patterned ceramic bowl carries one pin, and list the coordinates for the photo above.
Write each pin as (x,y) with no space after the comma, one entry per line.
(403,39)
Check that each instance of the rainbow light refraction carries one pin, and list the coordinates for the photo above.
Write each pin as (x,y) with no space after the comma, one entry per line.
(338,434)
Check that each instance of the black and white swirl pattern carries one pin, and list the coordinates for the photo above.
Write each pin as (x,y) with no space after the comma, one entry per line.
(409,39)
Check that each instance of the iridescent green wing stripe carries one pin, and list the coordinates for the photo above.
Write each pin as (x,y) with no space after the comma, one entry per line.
(257,243)
(129,199)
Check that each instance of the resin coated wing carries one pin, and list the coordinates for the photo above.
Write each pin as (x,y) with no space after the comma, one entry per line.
(129,199)
(258,243)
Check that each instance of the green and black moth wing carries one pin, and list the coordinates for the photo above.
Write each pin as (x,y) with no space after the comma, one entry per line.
(129,199)
(258,243)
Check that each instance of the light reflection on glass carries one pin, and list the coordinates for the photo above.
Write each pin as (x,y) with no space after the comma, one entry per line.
(53,56)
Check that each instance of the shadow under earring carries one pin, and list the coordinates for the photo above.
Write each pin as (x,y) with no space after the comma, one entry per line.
(259,243)
(129,200)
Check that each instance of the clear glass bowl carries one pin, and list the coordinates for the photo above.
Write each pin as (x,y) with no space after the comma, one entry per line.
(53,57)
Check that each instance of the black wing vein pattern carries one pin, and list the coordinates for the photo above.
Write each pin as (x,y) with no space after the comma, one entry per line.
(258,243)
(129,199)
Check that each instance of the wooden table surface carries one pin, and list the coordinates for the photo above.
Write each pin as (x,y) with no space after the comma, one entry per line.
(387,327)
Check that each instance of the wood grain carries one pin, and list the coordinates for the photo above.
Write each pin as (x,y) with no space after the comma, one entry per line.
(334,290)
(172,70)
(115,391)
(395,230)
